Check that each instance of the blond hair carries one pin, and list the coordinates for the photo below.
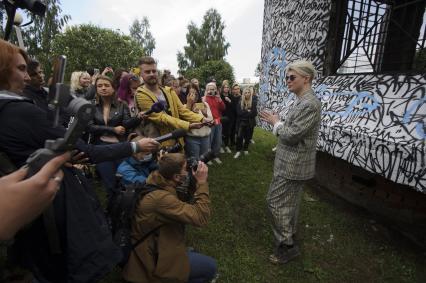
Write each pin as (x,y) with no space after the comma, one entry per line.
(75,80)
(246,104)
(303,68)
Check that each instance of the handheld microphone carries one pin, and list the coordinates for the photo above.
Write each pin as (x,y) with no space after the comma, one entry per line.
(157,107)
(173,135)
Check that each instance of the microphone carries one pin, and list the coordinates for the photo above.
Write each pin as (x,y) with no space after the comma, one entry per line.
(157,107)
(173,135)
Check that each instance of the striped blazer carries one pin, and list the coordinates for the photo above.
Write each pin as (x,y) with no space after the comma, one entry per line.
(298,134)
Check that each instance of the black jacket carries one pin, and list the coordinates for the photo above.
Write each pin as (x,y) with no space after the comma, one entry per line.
(245,117)
(231,107)
(119,115)
(88,252)
(38,95)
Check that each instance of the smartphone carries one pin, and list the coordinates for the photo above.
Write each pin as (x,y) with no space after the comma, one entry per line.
(95,72)
(200,106)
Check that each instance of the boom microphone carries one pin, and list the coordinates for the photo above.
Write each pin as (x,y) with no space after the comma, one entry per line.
(179,133)
(157,107)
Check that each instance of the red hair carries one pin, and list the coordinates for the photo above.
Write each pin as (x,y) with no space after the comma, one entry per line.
(7,52)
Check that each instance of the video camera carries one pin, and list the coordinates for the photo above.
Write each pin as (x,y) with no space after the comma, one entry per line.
(34,6)
(60,98)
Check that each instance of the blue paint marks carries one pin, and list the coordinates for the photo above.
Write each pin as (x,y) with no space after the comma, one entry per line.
(408,118)
(363,102)
(275,62)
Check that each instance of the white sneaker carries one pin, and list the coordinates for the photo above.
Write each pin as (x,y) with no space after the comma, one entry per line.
(221,150)
(237,155)
(246,152)
(274,149)
(218,161)
(252,141)
(210,163)
(228,150)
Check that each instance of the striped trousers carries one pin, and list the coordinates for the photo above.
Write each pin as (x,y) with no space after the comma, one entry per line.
(283,200)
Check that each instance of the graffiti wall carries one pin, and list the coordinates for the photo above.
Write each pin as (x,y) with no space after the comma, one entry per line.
(376,122)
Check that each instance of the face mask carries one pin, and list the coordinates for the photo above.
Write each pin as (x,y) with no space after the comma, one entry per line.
(146,158)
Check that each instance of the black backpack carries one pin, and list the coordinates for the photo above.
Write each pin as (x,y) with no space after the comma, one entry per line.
(122,209)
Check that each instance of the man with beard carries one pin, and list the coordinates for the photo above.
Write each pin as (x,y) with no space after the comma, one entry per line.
(76,245)
(175,115)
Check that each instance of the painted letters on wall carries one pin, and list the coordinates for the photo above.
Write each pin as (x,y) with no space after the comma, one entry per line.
(377,122)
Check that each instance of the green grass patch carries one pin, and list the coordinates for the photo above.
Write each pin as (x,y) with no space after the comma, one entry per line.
(335,244)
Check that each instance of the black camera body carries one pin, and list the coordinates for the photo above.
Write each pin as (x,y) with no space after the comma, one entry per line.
(177,147)
(186,190)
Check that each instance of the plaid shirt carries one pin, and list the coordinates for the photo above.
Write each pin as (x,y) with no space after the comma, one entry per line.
(298,134)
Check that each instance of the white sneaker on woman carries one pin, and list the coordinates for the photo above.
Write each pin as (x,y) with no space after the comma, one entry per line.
(221,150)
(228,150)
(218,161)
(237,155)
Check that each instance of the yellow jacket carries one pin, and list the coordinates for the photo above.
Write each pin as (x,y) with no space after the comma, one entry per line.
(180,117)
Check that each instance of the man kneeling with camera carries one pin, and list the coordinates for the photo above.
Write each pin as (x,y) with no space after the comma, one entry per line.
(163,256)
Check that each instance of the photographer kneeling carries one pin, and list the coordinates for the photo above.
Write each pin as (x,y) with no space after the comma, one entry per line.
(163,257)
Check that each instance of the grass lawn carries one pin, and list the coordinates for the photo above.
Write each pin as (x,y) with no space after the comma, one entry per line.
(339,243)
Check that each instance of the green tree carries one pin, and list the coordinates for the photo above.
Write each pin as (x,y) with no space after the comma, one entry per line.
(91,46)
(38,37)
(206,43)
(219,69)
(139,31)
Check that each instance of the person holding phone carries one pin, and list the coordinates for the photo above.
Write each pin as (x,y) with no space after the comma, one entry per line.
(217,106)
(197,141)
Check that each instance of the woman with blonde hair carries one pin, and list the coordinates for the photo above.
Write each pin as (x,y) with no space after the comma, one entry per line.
(246,120)
(81,85)
(294,158)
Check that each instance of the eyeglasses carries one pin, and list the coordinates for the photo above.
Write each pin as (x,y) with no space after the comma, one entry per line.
(290,78)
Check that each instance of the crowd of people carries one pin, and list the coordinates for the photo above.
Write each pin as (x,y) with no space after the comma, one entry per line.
(76,244)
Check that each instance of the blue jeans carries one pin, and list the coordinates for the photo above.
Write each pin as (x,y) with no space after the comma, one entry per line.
(202,268)
(106,171)
(216,139)
(196,146)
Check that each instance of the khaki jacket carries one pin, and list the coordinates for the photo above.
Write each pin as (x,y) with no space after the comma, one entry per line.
(162,257)
(179,116)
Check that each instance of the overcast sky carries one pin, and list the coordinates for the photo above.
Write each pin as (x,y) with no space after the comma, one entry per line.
(169,20)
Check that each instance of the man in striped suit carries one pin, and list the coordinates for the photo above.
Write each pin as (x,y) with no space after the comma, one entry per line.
(294,159)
